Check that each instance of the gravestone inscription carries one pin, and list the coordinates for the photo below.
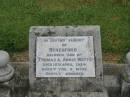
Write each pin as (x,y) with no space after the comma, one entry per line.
(65,61)
(65,57)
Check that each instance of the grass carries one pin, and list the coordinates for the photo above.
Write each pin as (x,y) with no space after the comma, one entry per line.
(113,16)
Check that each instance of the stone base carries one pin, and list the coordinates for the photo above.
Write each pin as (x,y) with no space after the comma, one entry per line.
(113,85)
(125,92)
(70,94)
(4,92)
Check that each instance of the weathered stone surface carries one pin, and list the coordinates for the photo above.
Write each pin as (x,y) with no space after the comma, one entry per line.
(85,94)
(126,71)
(4,58)
(20,82)
(113,69)
(69,94)
(125,91)
(6,73)
(35,94)
(128,58)
(6,70)
(4,92)
(113,85)
(44,85)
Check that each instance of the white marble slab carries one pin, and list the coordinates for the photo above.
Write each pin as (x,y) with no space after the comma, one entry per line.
(65,57)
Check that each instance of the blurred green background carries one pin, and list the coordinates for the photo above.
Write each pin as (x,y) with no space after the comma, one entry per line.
(16,17)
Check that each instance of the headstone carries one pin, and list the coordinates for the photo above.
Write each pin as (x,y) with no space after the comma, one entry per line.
(65,61)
